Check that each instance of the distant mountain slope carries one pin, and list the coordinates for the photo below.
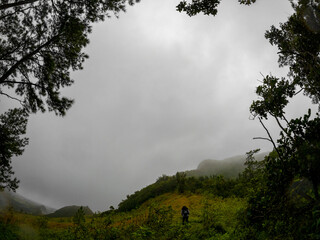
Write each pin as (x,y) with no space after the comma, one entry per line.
(22,204)
(69,211)
(229,167)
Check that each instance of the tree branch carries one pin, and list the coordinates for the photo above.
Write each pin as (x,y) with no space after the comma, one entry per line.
(7,95)
(282,128)
(26,83)
(285,119)
(299,91)
(16,4)
(279,124)
(262,138)
(15,12)
(25,58)
(270,138)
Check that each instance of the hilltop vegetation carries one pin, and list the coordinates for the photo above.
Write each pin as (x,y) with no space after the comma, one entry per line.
(211,176)
(70,211)
(217,185)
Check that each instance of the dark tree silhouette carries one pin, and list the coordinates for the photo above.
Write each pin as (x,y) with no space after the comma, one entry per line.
(12,125)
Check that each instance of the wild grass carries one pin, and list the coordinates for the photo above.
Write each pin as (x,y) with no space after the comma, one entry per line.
(158,218)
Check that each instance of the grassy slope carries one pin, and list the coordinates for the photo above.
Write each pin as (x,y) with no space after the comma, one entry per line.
(215,210)
(205,211)
(223,209)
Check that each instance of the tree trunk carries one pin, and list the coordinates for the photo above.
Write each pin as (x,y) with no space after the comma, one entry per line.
(315,190)
(15,4)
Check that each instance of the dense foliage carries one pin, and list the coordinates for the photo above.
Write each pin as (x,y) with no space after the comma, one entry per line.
(216,185)
(163,185)
(207,7)
(12,126)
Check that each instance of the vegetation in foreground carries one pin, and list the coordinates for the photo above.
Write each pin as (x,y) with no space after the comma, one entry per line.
(158,218)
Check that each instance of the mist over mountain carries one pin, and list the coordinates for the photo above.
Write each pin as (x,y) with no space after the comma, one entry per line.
(19,203)
(229,167)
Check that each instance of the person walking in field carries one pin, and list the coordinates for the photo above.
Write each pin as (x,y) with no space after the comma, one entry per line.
(185,214)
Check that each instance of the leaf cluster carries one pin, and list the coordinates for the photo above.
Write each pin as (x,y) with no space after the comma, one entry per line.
(12,126)
(207,7)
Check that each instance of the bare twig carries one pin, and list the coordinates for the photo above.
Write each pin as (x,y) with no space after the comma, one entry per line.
(16,99)
(285,119)
(270,137)
(262,75)
(262,138)
(282,128)
(299,91)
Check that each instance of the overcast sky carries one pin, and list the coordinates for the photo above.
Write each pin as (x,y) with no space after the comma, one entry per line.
(160,93)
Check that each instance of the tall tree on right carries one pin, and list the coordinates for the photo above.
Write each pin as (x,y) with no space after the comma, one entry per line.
(298,41)
(272,212)
(296,155)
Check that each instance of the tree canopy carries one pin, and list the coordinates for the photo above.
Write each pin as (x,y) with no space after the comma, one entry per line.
(41,42)
(207,7)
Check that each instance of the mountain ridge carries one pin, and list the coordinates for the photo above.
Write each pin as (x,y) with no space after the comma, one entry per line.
(70,211)
(228,167)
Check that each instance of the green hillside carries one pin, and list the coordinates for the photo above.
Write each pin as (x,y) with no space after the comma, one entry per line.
(208,177)
(70,211)
(160,217)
